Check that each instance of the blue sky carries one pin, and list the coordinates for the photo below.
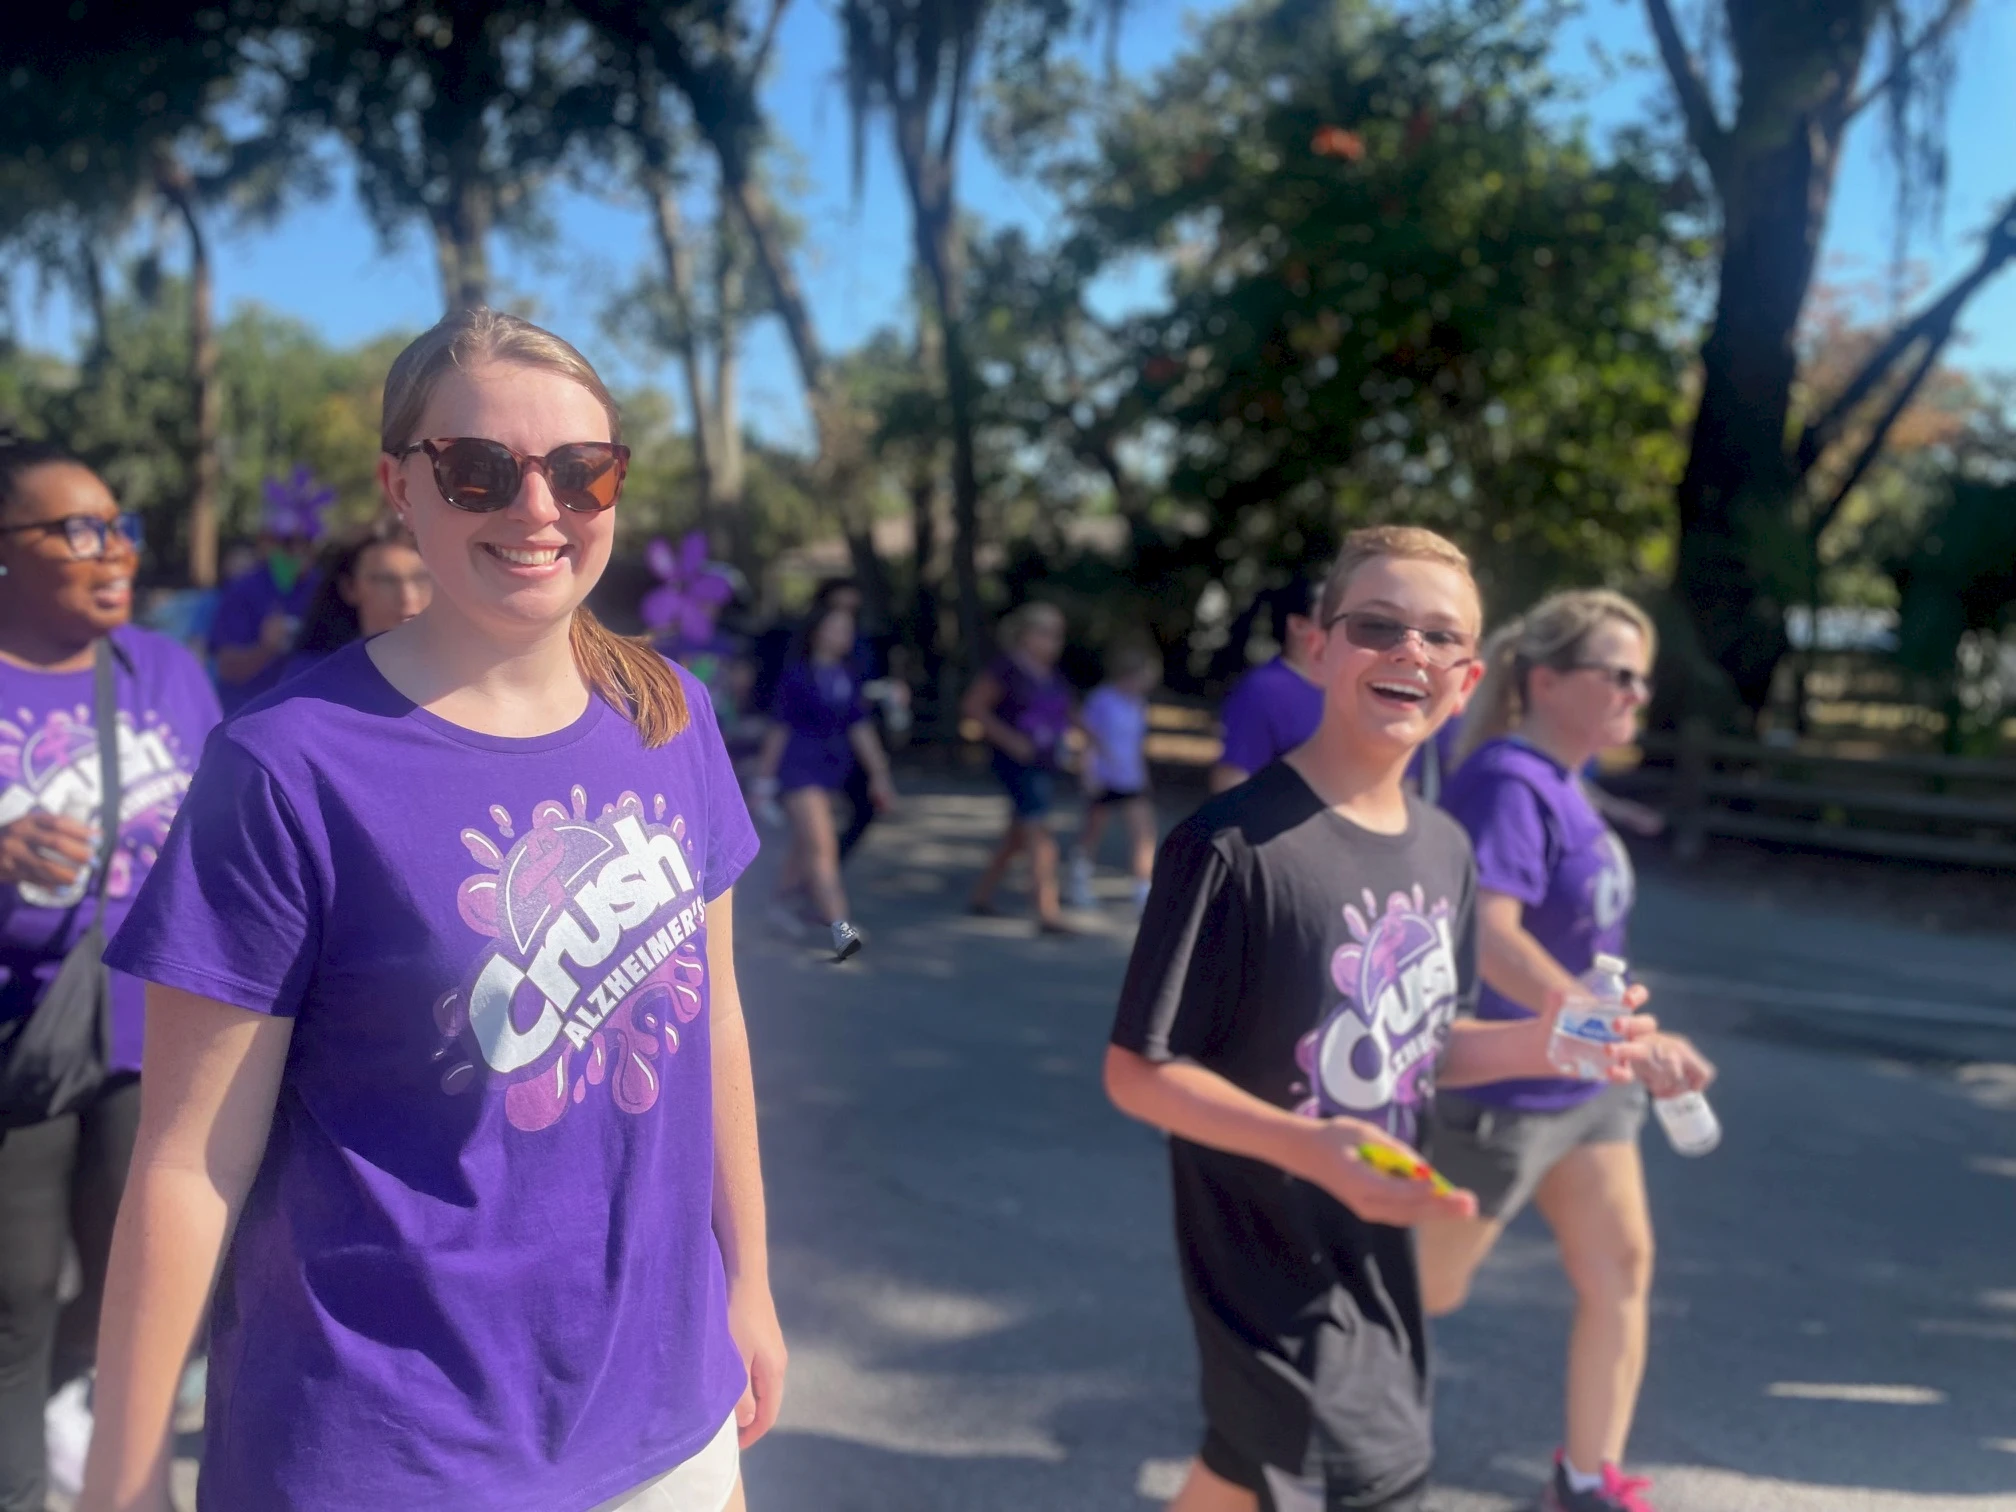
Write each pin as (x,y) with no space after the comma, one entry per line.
(324,263)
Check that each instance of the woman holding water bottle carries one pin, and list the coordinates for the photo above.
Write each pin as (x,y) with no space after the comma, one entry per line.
(67,560)
(1555,889)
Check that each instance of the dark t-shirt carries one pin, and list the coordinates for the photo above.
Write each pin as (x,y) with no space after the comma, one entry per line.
(1317,965)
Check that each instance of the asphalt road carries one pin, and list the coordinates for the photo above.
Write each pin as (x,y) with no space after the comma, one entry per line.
(973,1263)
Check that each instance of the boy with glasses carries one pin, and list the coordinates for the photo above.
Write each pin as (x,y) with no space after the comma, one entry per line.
(1301,982)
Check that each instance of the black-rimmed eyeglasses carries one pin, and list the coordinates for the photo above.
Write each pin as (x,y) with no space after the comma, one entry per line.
(89,537)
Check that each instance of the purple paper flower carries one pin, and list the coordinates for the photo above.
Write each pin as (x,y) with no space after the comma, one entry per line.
(689,593)
(294,505)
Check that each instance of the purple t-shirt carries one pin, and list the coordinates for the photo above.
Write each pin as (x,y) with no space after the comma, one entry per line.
(1269,712)
(819,703)
(1540,840)
(49,761)
(1037,705)
(242,607)
(1118,724)
(476,1270)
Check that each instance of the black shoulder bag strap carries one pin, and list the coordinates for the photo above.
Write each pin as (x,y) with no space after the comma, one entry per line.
(105,700)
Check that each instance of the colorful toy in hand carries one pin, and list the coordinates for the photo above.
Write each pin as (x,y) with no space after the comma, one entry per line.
(690,593)
(294,505)
(1391,1162)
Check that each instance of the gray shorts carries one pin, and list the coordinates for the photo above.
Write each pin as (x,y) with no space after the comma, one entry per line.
(1502,1154)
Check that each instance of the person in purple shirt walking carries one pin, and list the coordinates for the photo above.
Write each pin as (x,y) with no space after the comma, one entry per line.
(370,583)
(259,613)
(1275,707)
(1024,708)
(67,560)
(1554,891)
(450,1085)
(822,735)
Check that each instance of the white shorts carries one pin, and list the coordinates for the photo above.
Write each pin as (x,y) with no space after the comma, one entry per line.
(702,1483)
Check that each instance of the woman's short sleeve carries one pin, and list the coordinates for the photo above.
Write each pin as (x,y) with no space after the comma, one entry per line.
(1509,830)
(233,908)
(731,836)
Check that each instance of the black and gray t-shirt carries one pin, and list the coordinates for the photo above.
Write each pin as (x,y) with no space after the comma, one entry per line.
(1318,965)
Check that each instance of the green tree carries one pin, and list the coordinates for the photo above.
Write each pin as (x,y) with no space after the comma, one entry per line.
(455,113)
(1395,288)
(1750,503)
(103,115)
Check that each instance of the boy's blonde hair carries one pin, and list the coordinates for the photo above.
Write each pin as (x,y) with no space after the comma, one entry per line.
(1408,543)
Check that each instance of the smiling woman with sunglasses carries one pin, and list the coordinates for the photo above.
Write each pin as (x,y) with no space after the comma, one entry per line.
(1566,680)
(453,1072)
(67,559)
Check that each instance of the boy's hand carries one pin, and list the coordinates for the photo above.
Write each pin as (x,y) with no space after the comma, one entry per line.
(1329,1159)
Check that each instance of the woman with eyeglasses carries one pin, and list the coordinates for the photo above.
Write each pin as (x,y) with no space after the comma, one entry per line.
(368,584)
(449,1082)
(1563,682)
(67,559)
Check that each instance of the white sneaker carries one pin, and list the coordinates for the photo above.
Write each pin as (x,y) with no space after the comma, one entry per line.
(66,1436)
(1078,884)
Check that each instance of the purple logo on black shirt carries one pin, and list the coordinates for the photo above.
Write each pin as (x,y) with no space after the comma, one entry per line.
(1374,1054)
(596,962)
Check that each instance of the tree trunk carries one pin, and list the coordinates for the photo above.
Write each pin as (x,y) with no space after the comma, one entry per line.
(91,276)
(1741,549)
(724,499)
(837,426)
(941,249)
(462,248)
(205,399)
(678,261)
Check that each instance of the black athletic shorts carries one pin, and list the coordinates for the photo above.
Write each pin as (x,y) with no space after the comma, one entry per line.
(1280,1491)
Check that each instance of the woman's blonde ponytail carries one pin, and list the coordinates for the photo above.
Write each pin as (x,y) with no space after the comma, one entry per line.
(630,674)
(1495,708)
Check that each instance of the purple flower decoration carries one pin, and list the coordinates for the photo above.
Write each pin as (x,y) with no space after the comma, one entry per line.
(689,594)
(294,505)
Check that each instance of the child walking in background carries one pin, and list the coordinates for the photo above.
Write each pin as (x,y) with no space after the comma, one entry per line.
(1115,721)
(1022,705)
(822,737)
(1276,706)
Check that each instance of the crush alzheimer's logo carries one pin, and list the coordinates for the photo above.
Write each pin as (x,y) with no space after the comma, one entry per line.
(596,963)
(51,763)
(1374,1053)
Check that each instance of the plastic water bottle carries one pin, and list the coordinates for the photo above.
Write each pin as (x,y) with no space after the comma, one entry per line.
(1586,1027)
(81,806)
(1690,1124)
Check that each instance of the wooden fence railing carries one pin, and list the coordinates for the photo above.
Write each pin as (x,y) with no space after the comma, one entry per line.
(1927,808)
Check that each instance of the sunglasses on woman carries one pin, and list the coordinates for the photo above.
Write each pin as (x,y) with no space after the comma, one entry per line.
(88,536)
(484,476)
(1623,679)
(1379,632)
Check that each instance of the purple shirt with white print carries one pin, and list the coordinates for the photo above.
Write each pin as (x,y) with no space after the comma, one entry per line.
(49,763)
(476,1270)
(1540,840)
